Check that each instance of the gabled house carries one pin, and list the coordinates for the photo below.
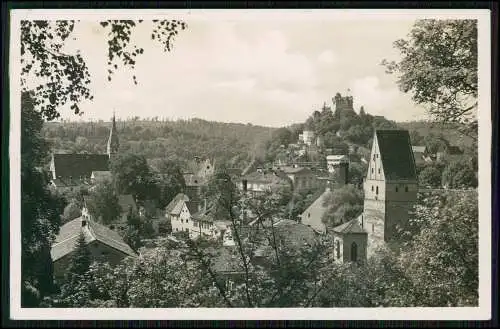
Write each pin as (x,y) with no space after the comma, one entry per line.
(179,211)
(77,166)
(313,215)
(262,180)
(302,178)
(103,243)
(420,154)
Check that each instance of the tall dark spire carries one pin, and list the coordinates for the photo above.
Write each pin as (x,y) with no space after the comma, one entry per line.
(113,143)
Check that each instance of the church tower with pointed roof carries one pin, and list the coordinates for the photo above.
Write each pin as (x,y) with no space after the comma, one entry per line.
(113,143)
(390,185)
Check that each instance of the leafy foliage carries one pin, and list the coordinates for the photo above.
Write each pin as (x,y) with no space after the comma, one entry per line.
(40,209)
(459,174)
(102,203)
(439,68)
(64,78)
(442,257)
(133,175)
(343,204)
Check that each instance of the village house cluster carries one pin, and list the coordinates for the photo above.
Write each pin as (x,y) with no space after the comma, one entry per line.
(390,189)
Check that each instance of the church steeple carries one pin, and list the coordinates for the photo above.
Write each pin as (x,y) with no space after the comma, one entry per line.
(113,143)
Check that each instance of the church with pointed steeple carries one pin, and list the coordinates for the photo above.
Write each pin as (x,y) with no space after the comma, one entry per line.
(69,171)
(113,142)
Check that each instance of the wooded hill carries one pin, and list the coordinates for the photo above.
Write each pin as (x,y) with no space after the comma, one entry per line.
(180,140)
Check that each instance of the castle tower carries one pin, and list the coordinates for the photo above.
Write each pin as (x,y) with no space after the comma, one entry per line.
(113,143)
(390,186)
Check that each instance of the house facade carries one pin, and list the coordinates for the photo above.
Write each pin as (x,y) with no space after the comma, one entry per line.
(390,186)
(350,242)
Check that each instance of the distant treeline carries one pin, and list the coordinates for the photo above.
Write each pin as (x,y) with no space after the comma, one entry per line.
(230,143)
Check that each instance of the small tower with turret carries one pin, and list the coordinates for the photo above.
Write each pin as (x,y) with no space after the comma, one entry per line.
(113,143)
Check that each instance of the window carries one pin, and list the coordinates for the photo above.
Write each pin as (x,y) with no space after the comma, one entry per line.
(187,221)
(182,220)
(406,188)
(176,229)
(379,170)
(372,170)
(396,188)
(354,252)
(373,228)
(372,188)
(374,157)
(308,215)
(187,230)
(376,190)
(338,249)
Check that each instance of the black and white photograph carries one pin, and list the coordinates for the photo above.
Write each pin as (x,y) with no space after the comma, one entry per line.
(250,164)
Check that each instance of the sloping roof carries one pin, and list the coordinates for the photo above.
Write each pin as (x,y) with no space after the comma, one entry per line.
(396,154)
(351,226)
(192,206)
(314,213)
(205,215)
(69,233)
(79,165)
(64,182)
(266,177)
(175,206)
(126,200)
(295,234)
(252,166)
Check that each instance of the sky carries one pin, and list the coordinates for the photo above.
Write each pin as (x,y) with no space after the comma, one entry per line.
(271,72)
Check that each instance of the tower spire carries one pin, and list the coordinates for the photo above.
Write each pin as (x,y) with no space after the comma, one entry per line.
(113,143)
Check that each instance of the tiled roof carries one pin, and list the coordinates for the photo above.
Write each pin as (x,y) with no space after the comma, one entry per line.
(64,182)
(126,200)
(68,235)
(79,165)
(175,206)
(203,215)
(314,213)
(193,206)
(266,177)
(351,226)
(295,234)
(396,154)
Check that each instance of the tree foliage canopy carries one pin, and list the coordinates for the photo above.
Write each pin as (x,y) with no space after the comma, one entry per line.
(439,67)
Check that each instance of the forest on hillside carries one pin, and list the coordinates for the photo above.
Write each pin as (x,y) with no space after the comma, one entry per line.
(230,143)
